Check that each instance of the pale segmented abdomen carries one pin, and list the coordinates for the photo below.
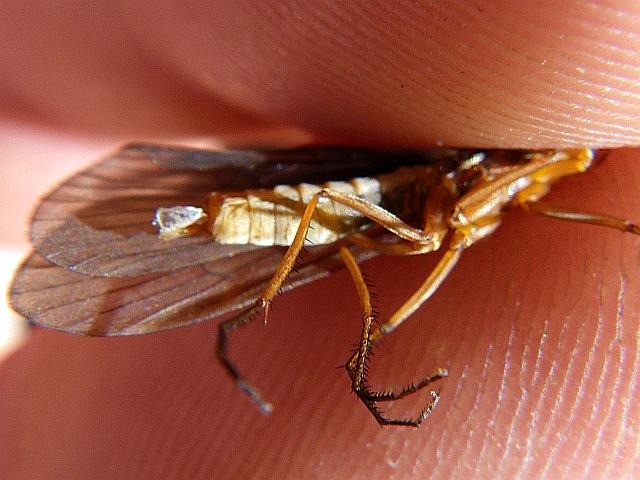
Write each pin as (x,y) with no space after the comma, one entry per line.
(271,217)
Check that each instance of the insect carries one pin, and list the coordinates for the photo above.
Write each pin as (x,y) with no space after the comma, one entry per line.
(154,237)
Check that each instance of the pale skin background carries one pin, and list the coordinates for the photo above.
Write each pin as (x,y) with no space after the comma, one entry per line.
(538,325)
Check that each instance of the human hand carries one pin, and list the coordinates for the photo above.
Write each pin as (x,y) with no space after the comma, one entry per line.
(537,325)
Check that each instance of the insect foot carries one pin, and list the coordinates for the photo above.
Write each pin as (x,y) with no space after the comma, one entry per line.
(358,372)
(222,352)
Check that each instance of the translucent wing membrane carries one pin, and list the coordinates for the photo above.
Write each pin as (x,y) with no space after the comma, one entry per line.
(58,298)
(99,221)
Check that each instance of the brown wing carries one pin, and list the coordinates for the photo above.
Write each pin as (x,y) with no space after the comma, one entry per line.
(99,220)
(270,167)
(55,297)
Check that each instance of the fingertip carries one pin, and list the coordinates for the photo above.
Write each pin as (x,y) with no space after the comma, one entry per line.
(457,74)
(557,75)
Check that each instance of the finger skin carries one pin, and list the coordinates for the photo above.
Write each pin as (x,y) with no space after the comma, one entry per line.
(404,73)
(537,326)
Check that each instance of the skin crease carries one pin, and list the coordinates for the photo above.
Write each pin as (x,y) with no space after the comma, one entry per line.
(537,325)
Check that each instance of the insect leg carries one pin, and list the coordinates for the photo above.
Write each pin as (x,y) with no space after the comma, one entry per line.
(357,366)
(222,352)
(434,224)
(579,216)
(422,294)
(386,248)
(425,241)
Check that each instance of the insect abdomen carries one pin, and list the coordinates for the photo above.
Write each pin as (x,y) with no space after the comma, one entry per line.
(271,217)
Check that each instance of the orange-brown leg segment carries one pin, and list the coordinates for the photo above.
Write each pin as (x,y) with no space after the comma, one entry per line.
(422,294)
(579,216)
(374,212)
(401,248)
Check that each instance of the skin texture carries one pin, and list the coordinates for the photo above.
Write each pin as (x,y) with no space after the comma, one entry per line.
(537,325)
